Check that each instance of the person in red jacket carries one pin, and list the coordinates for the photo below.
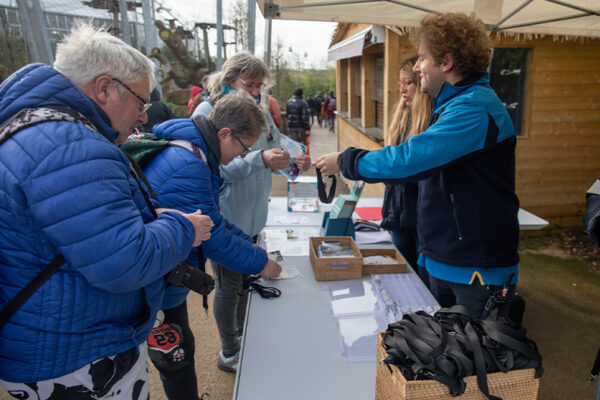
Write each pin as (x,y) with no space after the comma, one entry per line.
(275,111)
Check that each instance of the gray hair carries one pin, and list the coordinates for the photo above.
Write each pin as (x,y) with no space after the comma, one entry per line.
(239,65)
(239,112)
(88,52)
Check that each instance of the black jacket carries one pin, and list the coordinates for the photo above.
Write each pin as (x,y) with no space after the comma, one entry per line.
(298,115)
(465,165)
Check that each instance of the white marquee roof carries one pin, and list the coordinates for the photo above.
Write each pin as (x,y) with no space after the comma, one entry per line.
(548,17)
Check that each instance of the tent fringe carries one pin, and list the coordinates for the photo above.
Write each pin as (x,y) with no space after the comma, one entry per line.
(517,36)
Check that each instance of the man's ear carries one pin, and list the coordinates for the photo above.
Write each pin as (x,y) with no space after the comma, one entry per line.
(223,133)
(448,62)
(100,89)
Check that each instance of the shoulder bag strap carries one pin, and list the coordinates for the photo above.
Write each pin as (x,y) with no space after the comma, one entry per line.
(23,119)
(16,302)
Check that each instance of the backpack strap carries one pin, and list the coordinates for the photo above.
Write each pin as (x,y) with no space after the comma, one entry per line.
(24,119)
(36,115)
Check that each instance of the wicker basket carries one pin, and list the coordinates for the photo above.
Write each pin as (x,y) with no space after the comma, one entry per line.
(398,268)
(391,385)
(335,268)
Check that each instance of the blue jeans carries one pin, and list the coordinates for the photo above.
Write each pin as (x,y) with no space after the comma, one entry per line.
(407,244)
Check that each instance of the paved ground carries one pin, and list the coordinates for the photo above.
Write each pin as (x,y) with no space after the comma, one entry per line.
(562,293)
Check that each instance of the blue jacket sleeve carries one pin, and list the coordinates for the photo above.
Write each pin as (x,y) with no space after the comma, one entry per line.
(81,197)
(460,132)
(189,188)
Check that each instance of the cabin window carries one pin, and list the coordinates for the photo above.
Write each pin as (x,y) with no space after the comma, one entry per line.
(508,72)
(377,87)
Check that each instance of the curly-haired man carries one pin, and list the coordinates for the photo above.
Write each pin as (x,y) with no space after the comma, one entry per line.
(464,163)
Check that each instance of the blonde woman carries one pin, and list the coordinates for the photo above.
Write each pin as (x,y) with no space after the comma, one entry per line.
(400,200)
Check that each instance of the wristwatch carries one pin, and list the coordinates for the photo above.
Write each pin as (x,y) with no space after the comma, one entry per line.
(339,161)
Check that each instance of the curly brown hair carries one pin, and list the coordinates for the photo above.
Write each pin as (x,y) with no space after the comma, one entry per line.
(464,37)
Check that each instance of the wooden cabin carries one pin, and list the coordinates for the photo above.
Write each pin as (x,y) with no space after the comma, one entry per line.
(550,85)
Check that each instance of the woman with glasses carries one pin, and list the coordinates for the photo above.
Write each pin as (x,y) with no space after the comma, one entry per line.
(400,200)
(245,194)
(185,176)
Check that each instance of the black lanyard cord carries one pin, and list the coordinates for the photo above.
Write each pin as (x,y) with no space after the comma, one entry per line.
(325,198)
(265,292)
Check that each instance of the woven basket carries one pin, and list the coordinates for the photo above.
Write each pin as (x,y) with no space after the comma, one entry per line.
(398,268)
(391,385)
(335,268)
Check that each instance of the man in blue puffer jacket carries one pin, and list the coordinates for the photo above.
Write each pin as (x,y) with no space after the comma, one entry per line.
(464,163)
(66,188)
(185,176)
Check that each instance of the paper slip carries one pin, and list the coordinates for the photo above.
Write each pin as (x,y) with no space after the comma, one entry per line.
(291,220)
(288,271)
(294,149)
(297,244)
(362,237)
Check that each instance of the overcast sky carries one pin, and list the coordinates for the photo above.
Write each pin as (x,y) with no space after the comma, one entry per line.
(303,37)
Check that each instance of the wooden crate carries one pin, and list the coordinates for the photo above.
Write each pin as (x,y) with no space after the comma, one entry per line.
(398,268)
(391,385)
(335,268)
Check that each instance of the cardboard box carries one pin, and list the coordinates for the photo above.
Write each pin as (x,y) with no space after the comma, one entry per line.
(398,268)
(390,384)
(335,268)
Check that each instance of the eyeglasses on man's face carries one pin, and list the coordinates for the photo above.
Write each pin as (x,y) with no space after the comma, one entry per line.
(252,85)
(246,149)
(145,104)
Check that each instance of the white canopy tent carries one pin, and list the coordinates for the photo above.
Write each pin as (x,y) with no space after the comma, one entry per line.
(570,18)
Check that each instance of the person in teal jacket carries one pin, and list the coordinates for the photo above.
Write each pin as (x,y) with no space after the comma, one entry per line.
(185,176)
(66,188)
(247,185)
(465,165)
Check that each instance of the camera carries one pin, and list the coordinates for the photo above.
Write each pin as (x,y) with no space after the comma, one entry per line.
(184,275)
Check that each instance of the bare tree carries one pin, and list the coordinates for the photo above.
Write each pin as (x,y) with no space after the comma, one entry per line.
(239,19)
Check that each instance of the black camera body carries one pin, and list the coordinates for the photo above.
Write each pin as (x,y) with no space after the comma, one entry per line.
(184,275)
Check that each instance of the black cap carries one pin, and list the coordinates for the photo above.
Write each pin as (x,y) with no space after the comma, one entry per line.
(298,92)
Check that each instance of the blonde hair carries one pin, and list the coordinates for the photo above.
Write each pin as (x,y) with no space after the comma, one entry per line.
(409,121)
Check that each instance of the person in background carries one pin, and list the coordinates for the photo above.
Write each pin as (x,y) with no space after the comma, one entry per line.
(68,190)
(246,186)
(591,222)
(194,91)
(204,85)
(298,117)
(311,107)
(324,111)
(159,112)
(464,163)
(186,177)
(400,199)
(330,107)
(318,107)
(275,111)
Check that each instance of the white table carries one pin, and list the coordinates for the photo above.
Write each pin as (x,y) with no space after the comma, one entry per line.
(278,207)
(291,345)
